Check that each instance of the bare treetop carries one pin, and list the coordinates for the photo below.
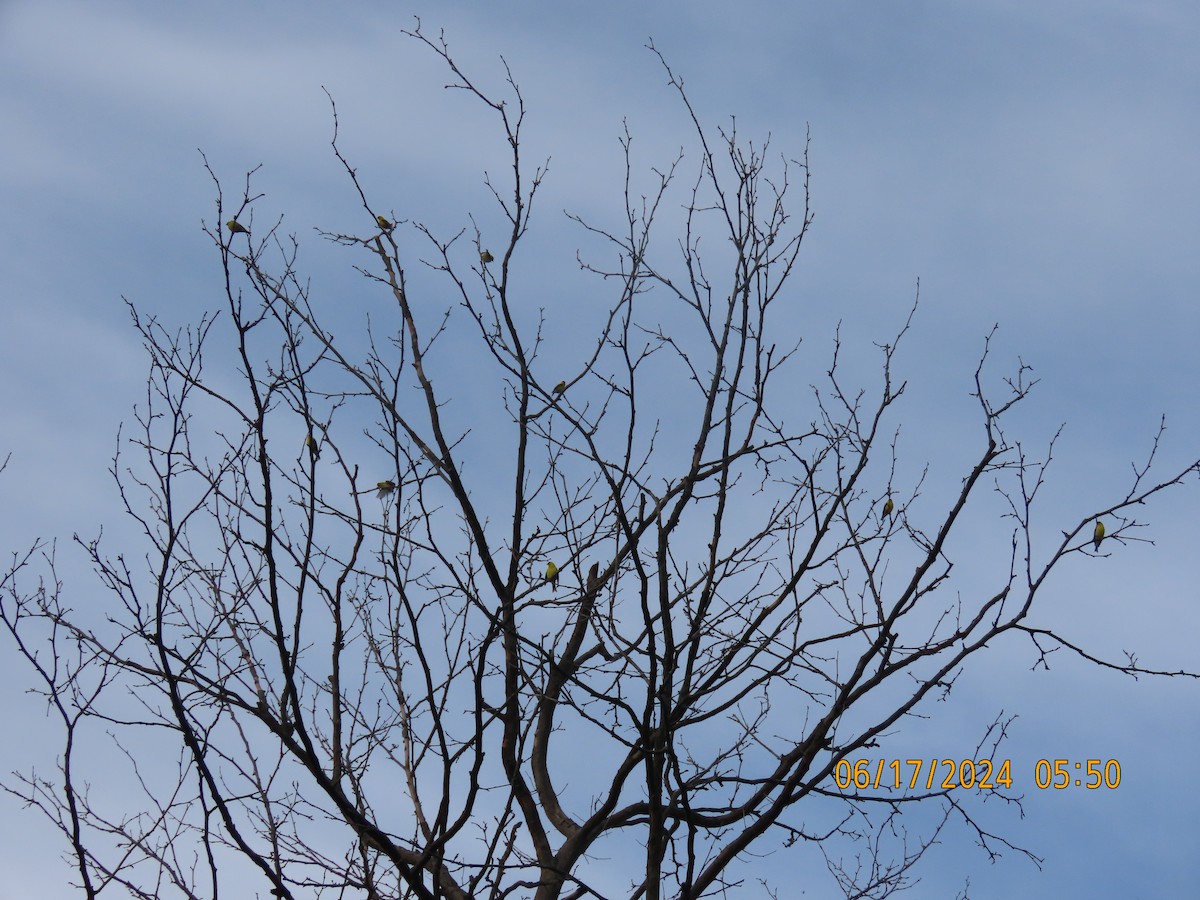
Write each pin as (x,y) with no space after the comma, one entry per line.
(615,643)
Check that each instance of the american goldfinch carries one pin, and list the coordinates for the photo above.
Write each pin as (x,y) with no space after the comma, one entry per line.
(1098,535)
(486,257)
(552,575)
(311,443)
(385,488)
(559,388)
(384,223)
(237,227)
(888,507)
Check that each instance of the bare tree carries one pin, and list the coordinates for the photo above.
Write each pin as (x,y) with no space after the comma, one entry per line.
(606,646)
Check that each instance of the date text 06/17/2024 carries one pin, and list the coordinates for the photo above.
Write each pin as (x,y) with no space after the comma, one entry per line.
(967,774)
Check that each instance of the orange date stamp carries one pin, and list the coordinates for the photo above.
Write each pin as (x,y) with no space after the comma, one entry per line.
(972,774)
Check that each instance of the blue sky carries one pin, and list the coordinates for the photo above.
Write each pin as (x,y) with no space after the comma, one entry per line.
(1033,164)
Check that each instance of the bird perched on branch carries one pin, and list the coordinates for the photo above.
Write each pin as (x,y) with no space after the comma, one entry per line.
(384,488)
(552,575)
(384,223)
(559,388)
(311,443)
(888,507)
(1098,535)
(237,227)
(486,257)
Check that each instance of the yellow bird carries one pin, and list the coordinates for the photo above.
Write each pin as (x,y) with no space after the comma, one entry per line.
(552,575)
(384,488)
(384,223)
(486,257)
(1098,534)
(311,443)
(888,507)
(237,227)
(559,388)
